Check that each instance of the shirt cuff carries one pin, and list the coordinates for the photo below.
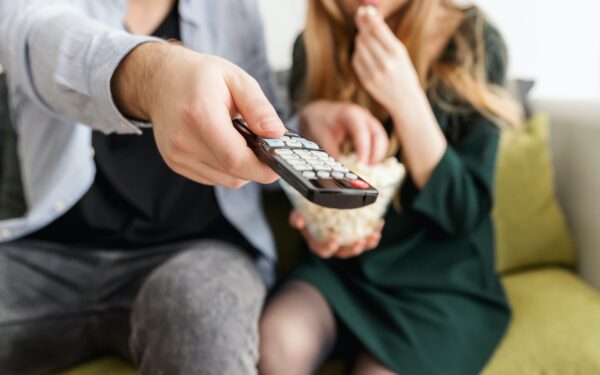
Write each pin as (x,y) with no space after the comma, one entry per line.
(121,45)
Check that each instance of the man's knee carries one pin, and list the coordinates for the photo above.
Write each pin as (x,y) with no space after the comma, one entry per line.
(198,313)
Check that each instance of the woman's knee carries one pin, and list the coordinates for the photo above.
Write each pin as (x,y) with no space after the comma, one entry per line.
(297,331)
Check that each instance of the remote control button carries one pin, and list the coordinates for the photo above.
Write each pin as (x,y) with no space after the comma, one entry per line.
(309,144)
(341,169)
(338,175)
(302,152)
(293,144)
(351,176)
(273,142)
(359,184)
(323,174)
(283,151)
(291,134)
(309,174)
(320,154)
(321,168)
(285,138)
(302,167)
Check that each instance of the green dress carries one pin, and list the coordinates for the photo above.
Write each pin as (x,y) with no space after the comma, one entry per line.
(428,300)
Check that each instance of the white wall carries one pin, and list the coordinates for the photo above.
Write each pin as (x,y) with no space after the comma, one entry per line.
(556,43)
(284,20)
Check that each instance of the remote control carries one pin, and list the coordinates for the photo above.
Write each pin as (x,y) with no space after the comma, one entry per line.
(305,166)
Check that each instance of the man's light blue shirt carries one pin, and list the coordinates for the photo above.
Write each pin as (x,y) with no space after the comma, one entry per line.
(59,56)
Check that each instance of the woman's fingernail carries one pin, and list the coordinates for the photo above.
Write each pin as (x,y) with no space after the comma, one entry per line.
(370,10)
(362,10)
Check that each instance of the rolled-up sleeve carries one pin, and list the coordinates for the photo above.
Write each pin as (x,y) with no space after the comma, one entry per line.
(64,61)
(458,196)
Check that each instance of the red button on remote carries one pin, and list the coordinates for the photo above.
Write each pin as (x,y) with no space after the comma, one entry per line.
(359,184)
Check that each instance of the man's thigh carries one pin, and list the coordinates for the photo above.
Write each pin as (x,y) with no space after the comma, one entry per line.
(44,324)
(198,314)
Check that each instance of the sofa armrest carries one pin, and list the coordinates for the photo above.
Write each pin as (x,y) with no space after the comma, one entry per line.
(575,142)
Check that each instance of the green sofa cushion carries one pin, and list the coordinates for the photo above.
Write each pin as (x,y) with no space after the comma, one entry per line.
(555,328)
(530,227)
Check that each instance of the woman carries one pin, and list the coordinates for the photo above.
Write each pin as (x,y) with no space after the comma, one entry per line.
(426,300)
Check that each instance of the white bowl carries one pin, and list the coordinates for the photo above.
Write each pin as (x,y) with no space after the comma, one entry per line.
(354,224)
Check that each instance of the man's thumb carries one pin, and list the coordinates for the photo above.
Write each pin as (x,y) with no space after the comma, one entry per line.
(253,105)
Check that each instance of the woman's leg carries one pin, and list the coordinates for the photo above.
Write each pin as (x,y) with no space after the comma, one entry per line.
(297,331)
(366,364)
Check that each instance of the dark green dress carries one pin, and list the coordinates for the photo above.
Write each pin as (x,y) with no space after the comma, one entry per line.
(428,300)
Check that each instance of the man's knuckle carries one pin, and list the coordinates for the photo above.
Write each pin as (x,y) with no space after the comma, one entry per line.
(177,144)
(231,161)
(234,184)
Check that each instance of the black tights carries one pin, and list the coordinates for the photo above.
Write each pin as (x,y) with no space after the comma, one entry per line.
(298,331)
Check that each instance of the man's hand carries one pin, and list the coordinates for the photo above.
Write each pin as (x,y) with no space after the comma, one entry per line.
(190,99)
(331,247)
(331,123)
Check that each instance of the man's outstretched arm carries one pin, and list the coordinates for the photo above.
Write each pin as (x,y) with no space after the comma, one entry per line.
(84,71)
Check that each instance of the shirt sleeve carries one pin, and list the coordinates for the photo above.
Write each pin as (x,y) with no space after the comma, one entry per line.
(259,66)
(63,60)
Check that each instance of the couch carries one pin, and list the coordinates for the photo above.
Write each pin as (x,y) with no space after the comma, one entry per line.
(556,321)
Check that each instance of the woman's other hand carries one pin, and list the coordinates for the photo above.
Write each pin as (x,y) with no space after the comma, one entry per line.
(382,62)
(331,123)
(332,248)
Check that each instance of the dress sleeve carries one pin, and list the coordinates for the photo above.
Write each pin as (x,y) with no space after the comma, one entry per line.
(459,194)
(298,73)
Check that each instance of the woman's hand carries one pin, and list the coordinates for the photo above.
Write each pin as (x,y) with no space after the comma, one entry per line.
(384,68)
(332,248)
(331,123)
(382,62)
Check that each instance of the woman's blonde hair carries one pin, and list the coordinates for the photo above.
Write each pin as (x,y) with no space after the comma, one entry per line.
(458,85)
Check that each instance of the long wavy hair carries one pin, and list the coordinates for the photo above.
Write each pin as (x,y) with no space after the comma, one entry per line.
(458,85)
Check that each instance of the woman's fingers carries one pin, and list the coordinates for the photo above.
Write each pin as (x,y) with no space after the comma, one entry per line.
(372,23)
(373,241)
(323,249)
(367,62)
(378,54)
(380,141)
(351,251)
(357,126)
(296,220)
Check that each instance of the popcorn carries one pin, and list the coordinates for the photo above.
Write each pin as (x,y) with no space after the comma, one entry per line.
(355,224)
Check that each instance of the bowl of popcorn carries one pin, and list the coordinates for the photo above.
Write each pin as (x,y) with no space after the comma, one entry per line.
(354,224)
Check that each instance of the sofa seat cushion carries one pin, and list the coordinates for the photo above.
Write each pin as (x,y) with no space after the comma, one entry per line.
(102,366)
(555,327)
(112,366)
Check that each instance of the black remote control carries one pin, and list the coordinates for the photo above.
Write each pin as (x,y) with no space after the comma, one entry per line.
(305,166)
